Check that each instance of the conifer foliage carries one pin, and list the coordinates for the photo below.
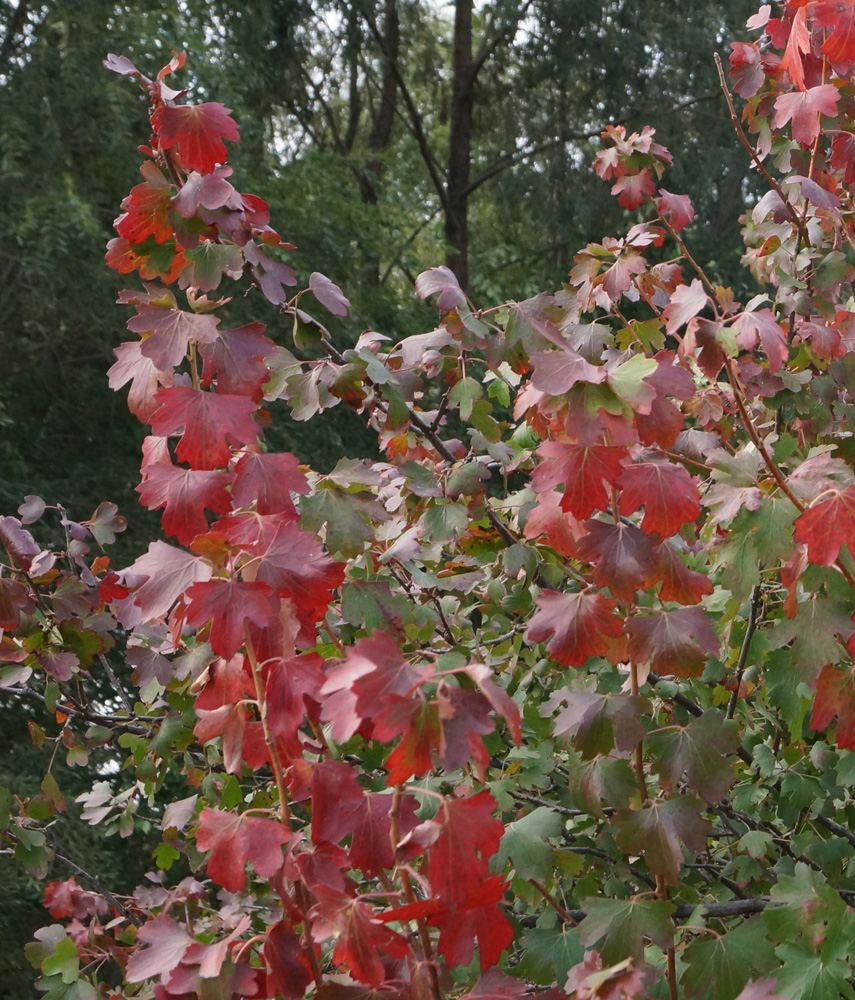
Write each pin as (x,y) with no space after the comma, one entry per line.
(558,696)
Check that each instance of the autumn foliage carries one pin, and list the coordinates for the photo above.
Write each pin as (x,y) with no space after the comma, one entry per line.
(559,694)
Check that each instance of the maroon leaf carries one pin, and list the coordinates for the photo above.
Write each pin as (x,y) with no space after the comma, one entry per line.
(235,358)
(288,968)
(835,696)
(470,837)
(557,372)
(233,840)
(328,294)
(623,557)
(229,605)
(673,642)
(578,625)
(660,829)
(208,422)
(184,494)
(587,472)
(268,480)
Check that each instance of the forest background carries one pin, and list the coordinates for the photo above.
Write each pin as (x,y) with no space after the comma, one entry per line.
(388,137)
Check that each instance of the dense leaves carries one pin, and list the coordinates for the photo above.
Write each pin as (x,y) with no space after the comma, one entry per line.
(549,678)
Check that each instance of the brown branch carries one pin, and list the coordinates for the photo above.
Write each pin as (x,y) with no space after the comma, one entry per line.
(565,915)
(99,887)
(743,138)
(415,119)
(753,616)
(409,895)
(269,739)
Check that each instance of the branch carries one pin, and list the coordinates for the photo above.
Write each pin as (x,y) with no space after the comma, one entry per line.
(753,615)
(743,138)
(415,118)
(98,886)
(117,723)
(489,45)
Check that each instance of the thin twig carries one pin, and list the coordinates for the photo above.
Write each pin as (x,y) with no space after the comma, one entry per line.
(753,616)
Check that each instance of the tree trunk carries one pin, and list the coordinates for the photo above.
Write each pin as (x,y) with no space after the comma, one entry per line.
(460,143)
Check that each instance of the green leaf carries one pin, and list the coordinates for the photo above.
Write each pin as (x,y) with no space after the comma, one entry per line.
(346,515)
(787,691)
(649,334)
(483,422)
(700,750)
(550,954)
(806,909)
(524,843)
(804,976)
(63,962)
(813,634)
(444,522)
(627,379)
(720,966)
(464,394)
(5,806)
(625,923)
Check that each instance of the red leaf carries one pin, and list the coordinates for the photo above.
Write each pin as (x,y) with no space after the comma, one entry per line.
(170,332)
(623,557)
(147,208)
(229,604)
(184,494)
(170,572)
(827,526)
(668,493)
(359,935)
(585,470)
(632,189)
(198,131)
(676,208)
(470,837)
(167,942)
(839,46)
(673,642)
(235,359)
(209,422)
(233,840)
(686,302)
(477,918)
(373,674)
(131,366)
(762,325)
(805,109)
(287,686)
(465,718)
(562,530)
(798,44)
(268,480)
(18,542)
(843,155)
(679,583)
(835,695)
(229,721)
(336,798)
(557,372)
(580,625)
(417,722)
(371,849)
(293,563)
(288,968)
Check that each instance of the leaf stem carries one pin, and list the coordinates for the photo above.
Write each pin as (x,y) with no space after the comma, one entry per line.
(269,739)
(409,895)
